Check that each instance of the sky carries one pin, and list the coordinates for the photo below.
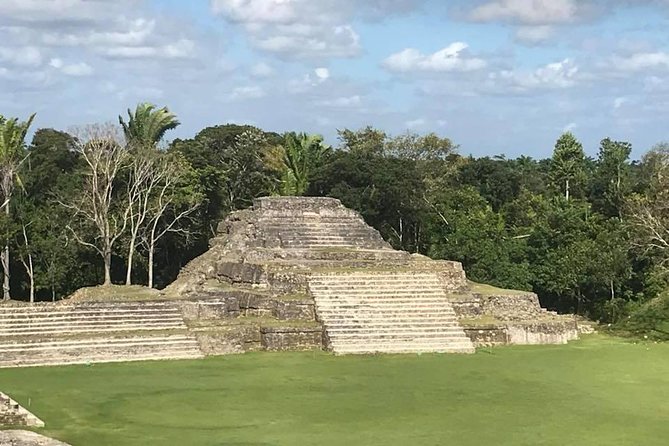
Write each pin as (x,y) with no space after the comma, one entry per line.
(495,76)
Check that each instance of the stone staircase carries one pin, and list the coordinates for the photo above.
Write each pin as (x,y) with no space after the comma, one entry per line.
(319,232)
(387,312)
(92,332)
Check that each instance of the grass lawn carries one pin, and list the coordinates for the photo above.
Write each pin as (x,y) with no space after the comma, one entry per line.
(599,391)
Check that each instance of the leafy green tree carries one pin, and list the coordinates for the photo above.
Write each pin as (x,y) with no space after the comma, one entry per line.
(12,154)
(368,140)
(611,179)
(302,154)
(147,125)
(568,165)
(465,228)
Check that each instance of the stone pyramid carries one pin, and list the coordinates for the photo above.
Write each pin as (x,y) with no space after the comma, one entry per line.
(313,259)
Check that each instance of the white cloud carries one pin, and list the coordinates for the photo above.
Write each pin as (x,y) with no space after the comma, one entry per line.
(451,58)
(343,102)
(415,123)
(180,49)
(27,56)
(531,12)
(262,69)
(641,61)
(75,69)
(619,102)
(322,73)
(72,12)
(310,41)
(533,35)
(256,11)
(306,28)
(563,74)
(130,33)
(247,92)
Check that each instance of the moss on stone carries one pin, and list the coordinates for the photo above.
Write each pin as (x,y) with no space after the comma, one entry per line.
(479,321)
(490,290)
(116,293)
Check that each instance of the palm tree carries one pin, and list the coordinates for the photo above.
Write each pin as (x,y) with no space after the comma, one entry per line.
(147,125)
(12,154)
(302,154)
(143,131)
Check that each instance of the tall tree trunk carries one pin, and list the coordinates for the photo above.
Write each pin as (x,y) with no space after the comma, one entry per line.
(5,264)
(107,260)
(613,307)
(151,248)
(32,278)
(566,189)
(131,252)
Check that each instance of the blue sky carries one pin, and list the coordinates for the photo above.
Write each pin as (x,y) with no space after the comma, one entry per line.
(496,76)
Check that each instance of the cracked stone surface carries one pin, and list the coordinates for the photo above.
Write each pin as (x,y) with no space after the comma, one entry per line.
(27,438)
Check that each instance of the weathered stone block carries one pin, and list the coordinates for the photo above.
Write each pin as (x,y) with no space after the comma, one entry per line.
(295,310)
(286,338)
(228,340)
(512,306)
(553,332)
(487,336)
(242,272)
(468,308)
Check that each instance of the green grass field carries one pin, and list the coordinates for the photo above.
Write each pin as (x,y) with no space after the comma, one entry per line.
(599,391)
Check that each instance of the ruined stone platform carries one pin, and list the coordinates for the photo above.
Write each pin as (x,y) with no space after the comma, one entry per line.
(366,296)
(286,274)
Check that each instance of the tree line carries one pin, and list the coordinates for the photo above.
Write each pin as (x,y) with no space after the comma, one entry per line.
(116,204)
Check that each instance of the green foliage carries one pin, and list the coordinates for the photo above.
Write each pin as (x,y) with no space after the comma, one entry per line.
(611,181)
(302,155)
(568,166)
(649,320)
(147,125)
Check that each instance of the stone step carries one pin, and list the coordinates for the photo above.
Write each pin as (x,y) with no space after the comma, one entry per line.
(381,291)
(103,358)
(392,329)
(94,318)
(7,312)
(379,278)
(322,237)
(399,316)
(340,341)
(69,331)
(313,222)
(380,304)
(306,231)
(385,276)
(73,317)
(367,349)
(315,243)
(376,282)
(383,294)
(135,341)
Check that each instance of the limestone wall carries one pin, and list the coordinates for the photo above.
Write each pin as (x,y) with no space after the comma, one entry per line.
(503,307)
